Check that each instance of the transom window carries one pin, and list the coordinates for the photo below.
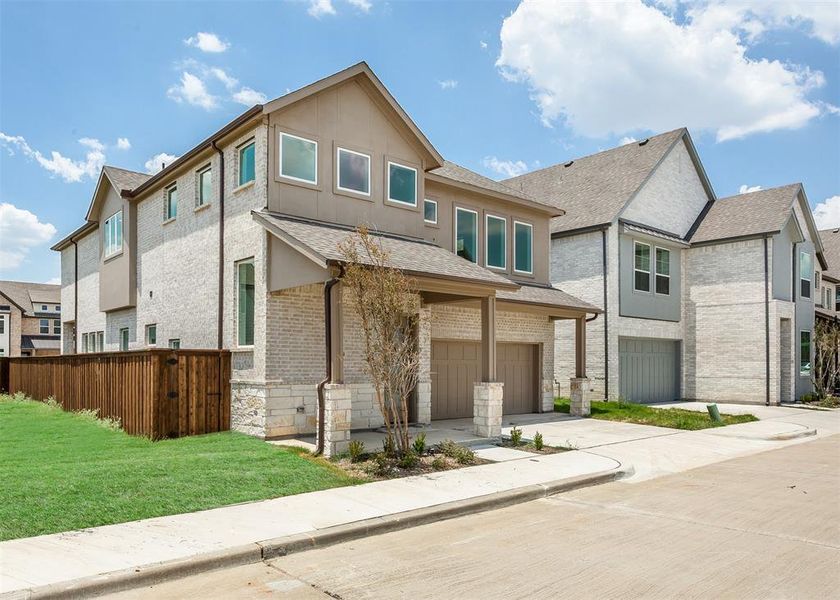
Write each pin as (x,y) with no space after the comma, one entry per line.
(430,211)
(171,204)
(641,267)
(245,302)
(246,163)
(113,234)
(804,352)
(298,158)
(495,241)
(523,247)
(353,171)
(663,271)
(806,272)
(466,234)
(402,184)
(205,186)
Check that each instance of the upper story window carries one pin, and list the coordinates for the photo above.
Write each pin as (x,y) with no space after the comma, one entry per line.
(804,352)
(837,299)
(298,158)
(641,267)
(402,184)
(44,326)
(246,163)
(151,334)
(205,187)
(124,339)
(245,302)
(430,208)
(466,234)
(806,271)
(99,342)
(353,171)
(663,271)
(170,209)
(44,308)
(495,242)
(56,327)
(113,234)
(523,247)
(57,308)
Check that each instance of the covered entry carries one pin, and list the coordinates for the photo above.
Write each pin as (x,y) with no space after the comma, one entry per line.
(456,366)
(648,370)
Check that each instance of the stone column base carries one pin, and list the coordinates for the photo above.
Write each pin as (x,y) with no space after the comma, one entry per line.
(337,418)
(424,402)
(487,408)
(579,396)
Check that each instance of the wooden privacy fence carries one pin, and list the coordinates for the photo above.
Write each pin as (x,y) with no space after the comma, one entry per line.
(156,393)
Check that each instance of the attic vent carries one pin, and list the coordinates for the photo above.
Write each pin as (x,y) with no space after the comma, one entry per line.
(568,164)
(644,141)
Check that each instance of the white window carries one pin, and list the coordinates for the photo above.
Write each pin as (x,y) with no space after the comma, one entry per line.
(99,343)
(523,247)
(113,234)
(174,343)
(170,209)
(298,158)
(151,334)
(806,272)
(495,242)
(402,184)
(466,234)
(641,267)
(663,271)
(44,326)
(85,342)
(56,327)
(124,339)
(430,211)
(205,187)
(353,171)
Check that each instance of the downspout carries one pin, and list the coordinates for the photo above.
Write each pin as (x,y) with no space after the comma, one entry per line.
(328,286)
(766,324)
(75,297)
(606,321)
(221,305)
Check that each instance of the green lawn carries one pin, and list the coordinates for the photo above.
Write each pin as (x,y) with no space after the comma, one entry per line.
(66,471)
(676,418)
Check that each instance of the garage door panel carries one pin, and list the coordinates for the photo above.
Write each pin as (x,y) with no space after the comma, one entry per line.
(648,370)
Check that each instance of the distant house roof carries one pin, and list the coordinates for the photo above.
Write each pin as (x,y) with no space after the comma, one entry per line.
(123,179)
(25,295)
(831,245)
(592,190)
(40,342)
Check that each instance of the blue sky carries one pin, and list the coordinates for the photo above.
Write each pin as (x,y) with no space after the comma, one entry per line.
(500,87)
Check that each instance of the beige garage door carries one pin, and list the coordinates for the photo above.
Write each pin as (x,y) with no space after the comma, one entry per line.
(456,366)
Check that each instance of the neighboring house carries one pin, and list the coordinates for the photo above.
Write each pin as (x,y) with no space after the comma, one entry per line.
(30,319)
(703,298)
(235,245)
(827,305)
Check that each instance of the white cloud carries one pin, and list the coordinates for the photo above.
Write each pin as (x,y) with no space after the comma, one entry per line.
(448,84)
(68,169)
(220,74)
(123,144)
(53,281)
(20,231)
(506,168)
(207,42)
(827,213)
(612,68)
(627,139)
(192,90)
(483,44)
(746,189)
(319,8)
(362,5)
(249,97)
(155,164)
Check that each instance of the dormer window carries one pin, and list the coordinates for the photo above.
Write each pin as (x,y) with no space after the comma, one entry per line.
(113,234)
(298,158)
(402,184)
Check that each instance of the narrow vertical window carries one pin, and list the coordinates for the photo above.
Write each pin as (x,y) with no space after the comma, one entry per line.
(151,335)
(641,267)
(56,327)
(804,352)
(85,343)
(806,272)
(171,203)
(113,234)
(466,234)
(100,341)
(663,271)
(205,186)
(246,163)
(495,241)
(124,339)
(523,247)
(430,211)
(245,303)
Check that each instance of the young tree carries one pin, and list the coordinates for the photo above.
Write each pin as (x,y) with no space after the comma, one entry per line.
(826,356)
(386,304)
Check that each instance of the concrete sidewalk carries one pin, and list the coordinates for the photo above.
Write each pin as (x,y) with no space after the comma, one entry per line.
(249,532)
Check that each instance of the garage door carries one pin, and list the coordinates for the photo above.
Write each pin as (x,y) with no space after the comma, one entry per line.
(649,370)
(456,366)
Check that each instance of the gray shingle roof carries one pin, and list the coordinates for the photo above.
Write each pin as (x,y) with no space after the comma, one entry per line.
(123,179)
(23,293)
(831,248)
(755,213)
(456,172)
(594,189)
(549,296)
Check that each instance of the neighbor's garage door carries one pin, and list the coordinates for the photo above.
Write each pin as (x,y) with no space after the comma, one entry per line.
(456,366)
(649,370)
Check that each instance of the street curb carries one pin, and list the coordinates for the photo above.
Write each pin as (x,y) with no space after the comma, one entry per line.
(776,437)
(146,575)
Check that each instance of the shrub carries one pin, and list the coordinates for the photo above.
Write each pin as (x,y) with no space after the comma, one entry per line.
(538,441)
(52,402)
(439,463)
(461,455)
(388,446)
(380,465)
(419,443)
(356,449)
(465,456)
(409,460)
(516,436)
(809,397)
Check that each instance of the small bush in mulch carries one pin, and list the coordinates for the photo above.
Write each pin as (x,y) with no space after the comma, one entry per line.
(535,446)
(814,400)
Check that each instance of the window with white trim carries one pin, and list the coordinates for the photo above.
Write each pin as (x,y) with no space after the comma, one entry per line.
(170,204)
(99,342)
(151,334)
(175,343)
(804,352)
(85,343)
(247,166)
(523,247)
(44,308)
(298,158)
(124,339)
(641,267)
(402,184)
(663,271)
(44,326)
(495,241)
(806,272)
(205,186)
(353,171)
(430,211)
(56,327)
(466,234)
(113,234)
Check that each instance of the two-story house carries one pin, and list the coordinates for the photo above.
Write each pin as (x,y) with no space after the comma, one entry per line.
(827,304)
(704,298)
(235,245)
(30,319)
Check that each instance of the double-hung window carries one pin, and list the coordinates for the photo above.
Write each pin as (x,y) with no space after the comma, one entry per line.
(113,233)
(806,272)
(402,184)
(495,241)
(641,267)
(246,163)
(170,209)
(466,234)
(205,187)
(245,302)
(663,271)
(804,352)
(44,326)
(353,171)
(99,342)
(56,327)
(430,211)
(523,247)
(298,158)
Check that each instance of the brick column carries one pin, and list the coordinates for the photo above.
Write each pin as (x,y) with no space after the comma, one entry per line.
(424,379)
(580,406)
(487,408)
(337,418)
